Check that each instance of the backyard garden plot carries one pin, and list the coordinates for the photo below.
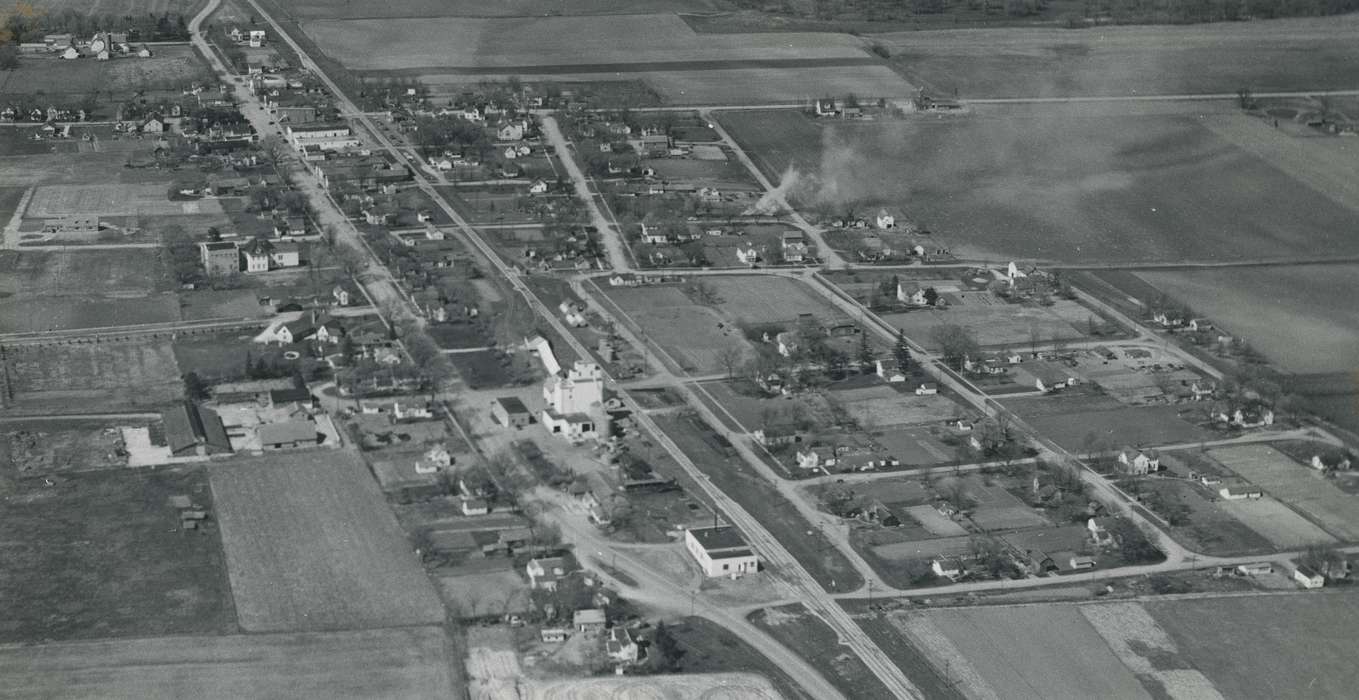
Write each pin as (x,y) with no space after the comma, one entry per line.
(120,375)
(1273,307)
(53,201)
(1293,646)
(692,335)
(310,545)
(1036,652)
(101,554)
(881,406)
(993,323)
(1115,188)
(1306,490)
(427,42)
(390,663)
(1276,522)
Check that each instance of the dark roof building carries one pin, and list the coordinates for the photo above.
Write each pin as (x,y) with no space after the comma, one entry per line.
(191,429)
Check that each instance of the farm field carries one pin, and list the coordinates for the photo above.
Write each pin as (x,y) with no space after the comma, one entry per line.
(101,554)
(814,641)
(311,545)
(170,67)
(392,663)
(1115,188)
(1252,650)
(328,9)
(87,289)
(682,686)
(118,8)
(1288,54)
(1069,422)
(117,375)
(555,41)
(1272,307)
(1295,485)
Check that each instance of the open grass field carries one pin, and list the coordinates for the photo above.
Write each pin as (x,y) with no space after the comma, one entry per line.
(739,481)
(101,554)
(411,663)
(710,648)
(814,641)
(993,324)
(170,67)
(334,9)
(1294,646)
(1114,188)
(118,375)
(311,545)
(690,334)
(1276,522)
(1298,486)
(1069,422)
(750,411)
(52,201)
(118,8)
(1003,647)
(881,406)
(1212,528)
(555,41)
(87,289)
(1291,54)
(1274,307)
(769,299)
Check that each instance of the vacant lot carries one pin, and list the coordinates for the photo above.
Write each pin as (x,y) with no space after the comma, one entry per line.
(814,641)
(1276,522)
(710,648)
(87,289)
(753,412)
(882,406)
(171,67)
(992,322)
(1036,652)
(1296,645)
(101,554)
(47,446)
(1291,54)
(389,44)
(1114,188)
(389,663)
(52,201)
(1295,485)
(311,545)
(1076,423)
(118,375)
(690,334)
(768,299)
(1211,528)
(1274,307)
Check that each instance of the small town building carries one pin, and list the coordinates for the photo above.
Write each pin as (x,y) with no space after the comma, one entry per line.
(191,429)
(510,412)
(589,620)
(1255,569)
(720,551)
(220,258)
(288,434)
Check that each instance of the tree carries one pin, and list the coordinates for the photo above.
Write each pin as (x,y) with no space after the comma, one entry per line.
(865,357)
(665,654)
(1133,545)
(1244,98)
(730,357)
(9,57)
(195,389)
(902,352)
(931,296)
(955,343)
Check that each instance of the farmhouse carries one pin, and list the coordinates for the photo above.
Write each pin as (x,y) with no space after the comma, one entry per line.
(543,574)
(912,293)
(889,370)
(720,551)
(884,220)
(619,646)
(775,436)
(510,412)
(926,389)
(947,567)
(288,434)
(1138,462)
(191,429)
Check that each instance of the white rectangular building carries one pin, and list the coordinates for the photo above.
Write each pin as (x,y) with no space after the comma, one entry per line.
(720,551)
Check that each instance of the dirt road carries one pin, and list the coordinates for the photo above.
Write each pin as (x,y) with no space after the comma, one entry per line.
(608,232)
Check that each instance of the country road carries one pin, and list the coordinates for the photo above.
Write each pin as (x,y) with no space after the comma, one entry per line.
(608,231)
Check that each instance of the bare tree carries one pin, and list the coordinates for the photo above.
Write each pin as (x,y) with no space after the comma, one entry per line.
(730,357)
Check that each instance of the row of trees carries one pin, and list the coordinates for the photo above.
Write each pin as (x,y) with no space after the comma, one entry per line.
(24,23)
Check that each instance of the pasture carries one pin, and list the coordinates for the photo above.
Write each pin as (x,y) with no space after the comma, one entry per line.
(1272,307)
(1294,646)
(1298,486)
(410,662)
(311,545)
(101,554)
(1289,54)
(52,201)
(1114,187)
(116,375)
(170,68)
(550,43)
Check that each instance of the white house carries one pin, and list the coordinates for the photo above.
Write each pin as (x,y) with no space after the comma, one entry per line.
(1079,563)
(927,389)
(1043,376)
(720,551)
(538,187)
(911,293)
(653,235)
(256,38)
(434,459)
(589,621)
(619,646)
(1255,569)
(1308,578)
(947,567)
(513,131)
(544,573)
(1099,530)
(816,457)
(889,370)
(884,220)
(747,256)
(1138,462)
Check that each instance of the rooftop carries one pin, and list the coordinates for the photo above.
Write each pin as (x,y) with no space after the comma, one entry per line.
(287,431)
(717,539)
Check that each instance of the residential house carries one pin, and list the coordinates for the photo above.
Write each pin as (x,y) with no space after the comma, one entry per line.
(538,187)
(885,220)
(947,567)
(510,412)
(826,108)
(553,635)
(794,246)
(544,573)
(775,436)
(625,280)
(747,256)
(1099,530)
(513,131)
(434,460)
(191,430)
(911,293)
(889,370)
(1042,375)
(1255,569)
(619,646)
(653,235)
(1138,462)
(720,551)
(816,457)
(1333,463)
(1080,563)
(589,620)
(927,389)
(290,226)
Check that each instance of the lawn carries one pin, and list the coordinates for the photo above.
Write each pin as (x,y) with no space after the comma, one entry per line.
(814,641)
(1113,187)
(1073,422)
(692,336)
(710,648)
(1291,54)
(222,357)
(311,545)
(1274,307)
(1295,646)
(116,375)
(992,321)
(101,554)
(1298,486)
(763,502)
(410,662)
